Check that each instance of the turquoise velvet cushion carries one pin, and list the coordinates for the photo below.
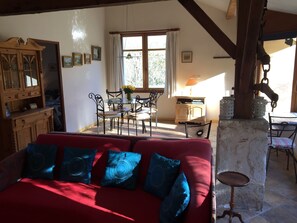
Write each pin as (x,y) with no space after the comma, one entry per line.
(121,169)
(176,202)
(40,161)
(77,165)
(161,175)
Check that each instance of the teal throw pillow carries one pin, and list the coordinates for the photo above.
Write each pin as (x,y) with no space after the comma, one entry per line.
(40,161)
(77,165)
(161,175)
(121,170)
(173,206)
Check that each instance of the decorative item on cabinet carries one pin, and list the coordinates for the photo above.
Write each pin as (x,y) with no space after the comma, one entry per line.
(21,85)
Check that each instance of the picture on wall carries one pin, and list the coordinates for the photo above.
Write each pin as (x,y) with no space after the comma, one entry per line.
(96,53)
(87,58)
(67,61)
(186,56)
(77,59)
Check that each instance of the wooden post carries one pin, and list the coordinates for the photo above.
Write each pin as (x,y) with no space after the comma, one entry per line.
(249,21)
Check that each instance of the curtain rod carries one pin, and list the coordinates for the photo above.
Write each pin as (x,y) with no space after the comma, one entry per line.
(145,31)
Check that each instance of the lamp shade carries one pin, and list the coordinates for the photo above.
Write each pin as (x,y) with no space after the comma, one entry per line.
(191,81)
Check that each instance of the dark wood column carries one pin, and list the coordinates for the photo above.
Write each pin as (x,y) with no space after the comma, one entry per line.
(249,21)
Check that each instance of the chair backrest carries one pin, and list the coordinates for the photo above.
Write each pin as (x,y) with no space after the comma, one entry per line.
(154,95)
(113,95)
(99,101)
(282,126)
(140,103)
(202,129)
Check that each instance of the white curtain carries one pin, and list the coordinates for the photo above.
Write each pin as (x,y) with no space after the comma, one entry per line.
(171,60)
(116,75)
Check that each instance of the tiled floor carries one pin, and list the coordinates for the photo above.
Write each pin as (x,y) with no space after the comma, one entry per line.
(280,202)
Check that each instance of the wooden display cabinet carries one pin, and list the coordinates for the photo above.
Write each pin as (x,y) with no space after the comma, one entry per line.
(23,115)
(190,109)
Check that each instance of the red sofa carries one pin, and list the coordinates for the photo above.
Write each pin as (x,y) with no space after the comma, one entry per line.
(48,201)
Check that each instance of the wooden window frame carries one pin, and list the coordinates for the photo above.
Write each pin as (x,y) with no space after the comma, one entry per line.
(145,50)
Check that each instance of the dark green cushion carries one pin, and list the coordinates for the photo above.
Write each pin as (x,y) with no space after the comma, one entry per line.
(161,175)
(40,161)
(77,165)
(173,206)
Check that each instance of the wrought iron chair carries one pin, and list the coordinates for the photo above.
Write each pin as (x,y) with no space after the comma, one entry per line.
(102,113)
(203,129)
(116,106)
(154,95)
(282,134)
(140,113)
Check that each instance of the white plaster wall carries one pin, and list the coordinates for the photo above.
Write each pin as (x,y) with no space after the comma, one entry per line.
(216,75)
(89,25)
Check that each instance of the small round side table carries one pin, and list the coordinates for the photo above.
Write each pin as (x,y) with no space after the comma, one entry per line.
(232,179)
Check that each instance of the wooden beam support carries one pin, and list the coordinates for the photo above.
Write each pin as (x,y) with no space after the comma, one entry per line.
(217,34)
(17,7)
(279,24)
(232,8)
(249,23)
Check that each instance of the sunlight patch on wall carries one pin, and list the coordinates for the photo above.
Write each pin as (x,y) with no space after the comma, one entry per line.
(78,32)
(213,89)
(281,78)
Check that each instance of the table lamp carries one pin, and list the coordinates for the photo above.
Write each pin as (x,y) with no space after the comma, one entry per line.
(192,81)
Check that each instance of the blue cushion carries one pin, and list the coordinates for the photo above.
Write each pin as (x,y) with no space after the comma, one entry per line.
(121,169)
(161,175)
(176,202)
(40,161)
(77,165)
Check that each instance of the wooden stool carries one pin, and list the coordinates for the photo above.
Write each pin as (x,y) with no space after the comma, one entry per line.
(232,179)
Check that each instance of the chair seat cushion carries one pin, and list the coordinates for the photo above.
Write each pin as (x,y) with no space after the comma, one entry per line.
(111,113)
(139,116)
(282,143)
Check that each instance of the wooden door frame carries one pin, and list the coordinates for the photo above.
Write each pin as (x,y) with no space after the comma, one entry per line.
(59,71)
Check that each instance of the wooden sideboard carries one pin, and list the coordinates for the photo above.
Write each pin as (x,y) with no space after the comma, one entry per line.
(23,115)
(190,109)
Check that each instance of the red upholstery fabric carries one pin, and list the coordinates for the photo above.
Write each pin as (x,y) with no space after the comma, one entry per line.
(53,201)
(46,201)
(100,143)
(194,155)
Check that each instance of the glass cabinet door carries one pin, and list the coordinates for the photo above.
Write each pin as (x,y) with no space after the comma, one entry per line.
(30,70)
(10,71)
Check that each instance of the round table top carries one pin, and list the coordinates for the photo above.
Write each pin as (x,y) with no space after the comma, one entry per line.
(234,179)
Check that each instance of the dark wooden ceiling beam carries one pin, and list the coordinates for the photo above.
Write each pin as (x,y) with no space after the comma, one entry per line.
(17,7)
(217,34)
(279,24)
(249,22)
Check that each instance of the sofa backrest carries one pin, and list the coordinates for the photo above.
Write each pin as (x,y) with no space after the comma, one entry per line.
(195,157)
(101,144)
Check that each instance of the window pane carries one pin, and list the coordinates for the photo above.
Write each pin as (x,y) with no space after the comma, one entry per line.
(157,42)
(133,68)
(132,43)
(156,68)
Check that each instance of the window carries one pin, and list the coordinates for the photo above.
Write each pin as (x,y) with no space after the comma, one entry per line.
(144,58)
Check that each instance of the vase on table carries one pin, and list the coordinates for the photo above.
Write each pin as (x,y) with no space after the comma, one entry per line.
(128,96)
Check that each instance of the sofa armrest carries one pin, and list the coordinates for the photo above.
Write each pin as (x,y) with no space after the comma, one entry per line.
(11,169)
